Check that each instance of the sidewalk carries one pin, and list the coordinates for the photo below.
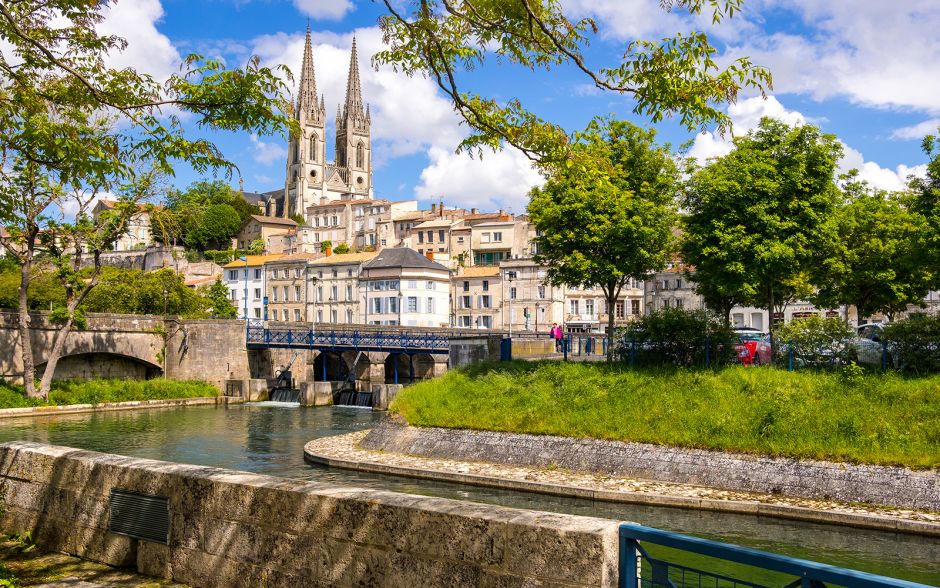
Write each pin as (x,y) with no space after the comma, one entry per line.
(44,570)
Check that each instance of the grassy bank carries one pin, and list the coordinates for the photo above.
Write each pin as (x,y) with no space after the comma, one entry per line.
(869,418)
(101,391)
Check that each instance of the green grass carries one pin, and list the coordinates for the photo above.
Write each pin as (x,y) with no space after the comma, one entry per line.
(101,391)
(857,417)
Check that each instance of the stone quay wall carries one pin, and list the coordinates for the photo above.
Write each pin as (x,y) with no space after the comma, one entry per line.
(232,529)
(878,485)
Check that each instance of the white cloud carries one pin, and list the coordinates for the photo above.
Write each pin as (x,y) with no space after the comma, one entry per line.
(918,131)
(745,116)
(324,9)
(267,153)
(874,174)
(409,116)
(148,50)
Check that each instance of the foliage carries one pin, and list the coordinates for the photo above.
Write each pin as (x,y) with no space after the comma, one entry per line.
(817,342)
(676,76)
(299,219)
(927,201)
(208,214)
(219,299)
(758,217)
(225,256)
(213,228)
(136,292)
(101,391)
(256,247)
(876,418)
(324,245)
(608,217)
(341,248)
(915,342)
(673,336)
(877,261)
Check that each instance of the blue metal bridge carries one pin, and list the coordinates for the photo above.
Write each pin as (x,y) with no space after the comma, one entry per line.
(261,336)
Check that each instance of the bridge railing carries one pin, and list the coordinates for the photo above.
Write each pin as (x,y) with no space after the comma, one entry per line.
(640,569)
(261,335)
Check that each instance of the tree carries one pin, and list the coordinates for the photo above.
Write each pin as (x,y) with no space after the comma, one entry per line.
(927,201)
(214,228)
(608,216)
(876,263)
(757,216)
(676,76)
(220,301)
(72,127)
(299,219)
(325,245)
(208,214)
(341,248)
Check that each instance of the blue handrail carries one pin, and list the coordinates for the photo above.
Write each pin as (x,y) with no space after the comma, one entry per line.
(808,573)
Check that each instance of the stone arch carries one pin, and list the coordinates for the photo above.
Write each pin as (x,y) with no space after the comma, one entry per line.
(336,367)
(358,363)
(97,364)
(403,361)
(423,366)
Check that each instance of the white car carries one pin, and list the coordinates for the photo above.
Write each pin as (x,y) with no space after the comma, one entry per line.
(871,348)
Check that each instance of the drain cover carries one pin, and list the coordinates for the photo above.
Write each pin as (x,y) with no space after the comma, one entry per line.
(140,516)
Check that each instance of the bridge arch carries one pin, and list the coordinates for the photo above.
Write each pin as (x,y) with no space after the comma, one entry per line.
(336,367)
(101,364)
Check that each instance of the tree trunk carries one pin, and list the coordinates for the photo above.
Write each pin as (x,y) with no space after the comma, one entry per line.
(770,325)
(611,308)
(55,353)
(29,367)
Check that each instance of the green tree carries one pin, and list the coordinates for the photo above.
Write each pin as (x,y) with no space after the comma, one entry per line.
(877,260)
(214,228)
(927,202)
(324,245)
(341,248)
(757,216)
(672,77)
(72,127)
(608,216)
(219,299)
(299,219)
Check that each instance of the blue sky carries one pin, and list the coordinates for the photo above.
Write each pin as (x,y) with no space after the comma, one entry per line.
(864,70)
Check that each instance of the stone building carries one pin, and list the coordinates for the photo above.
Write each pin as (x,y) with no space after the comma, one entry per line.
(264,228)
(287,287)
(405,288)
(353,221)
(245,279)
(586,308)
(335,294)
(138,234)
(477,297)
(532,304)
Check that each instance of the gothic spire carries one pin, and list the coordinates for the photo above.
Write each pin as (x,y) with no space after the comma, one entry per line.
(307,96)
(353,86)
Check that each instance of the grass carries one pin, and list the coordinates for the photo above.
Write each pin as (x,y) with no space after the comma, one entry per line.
(871,418)
(101,391)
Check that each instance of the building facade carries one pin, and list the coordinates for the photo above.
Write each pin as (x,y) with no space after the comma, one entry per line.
(336,296)
(287,287)
(246,281)
(403,287)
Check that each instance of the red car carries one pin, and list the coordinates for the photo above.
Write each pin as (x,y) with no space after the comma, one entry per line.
(754,348)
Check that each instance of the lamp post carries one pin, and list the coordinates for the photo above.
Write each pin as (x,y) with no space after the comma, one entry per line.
(509,277)
(245,305)
(399,303)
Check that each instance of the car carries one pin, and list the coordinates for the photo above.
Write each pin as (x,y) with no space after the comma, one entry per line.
(754,346)
(871,348)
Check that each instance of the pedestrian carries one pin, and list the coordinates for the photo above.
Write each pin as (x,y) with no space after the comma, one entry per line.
(556,334)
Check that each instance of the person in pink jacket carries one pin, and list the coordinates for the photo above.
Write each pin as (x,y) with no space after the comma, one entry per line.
(556,334)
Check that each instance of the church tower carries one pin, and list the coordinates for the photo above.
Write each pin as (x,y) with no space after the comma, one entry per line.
(306,153)
(354,134)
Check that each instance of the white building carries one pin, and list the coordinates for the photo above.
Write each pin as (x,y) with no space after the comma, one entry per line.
(402,287)
(334,286)
(246,284)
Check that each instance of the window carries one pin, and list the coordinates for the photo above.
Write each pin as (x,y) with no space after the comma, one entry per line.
(232,274)
(429,285)
(349,273)
(512,293)
(383,242)
(430,308)
(634,307)
(466,286)
(542,292)
(257,313)
(334,294)
(392,304)
(678,285)
(412,304)
(297,314)
(360,159)
(485,238)
(297,293)
(680,303)
(589,307)
(485,301)
(489,257)
(464,321)
(335,220)
(319,293)
(296,272)
(313,148)
(485,321)
(348,293)
(466,302)
(348,316)
(257,293)
(234,294)
(430,236)
(377,305)
(573,305)
(320,274)
(619,309)
(666,303)
(258,274)
(332,316)
(420,237)
(486,285)
(286,294)
(334,274)
(274,295)
(440,235)
(460,239)
(274,315)
(497,237)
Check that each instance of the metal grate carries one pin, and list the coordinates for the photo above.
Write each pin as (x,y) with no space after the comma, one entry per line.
(140,516)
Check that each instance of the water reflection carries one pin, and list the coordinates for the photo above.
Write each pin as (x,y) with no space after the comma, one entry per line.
(270,439)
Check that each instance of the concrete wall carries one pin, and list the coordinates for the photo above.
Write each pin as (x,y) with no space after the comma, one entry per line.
(208,350)
(880,485)
(232,529)
(469,350)
(532,347)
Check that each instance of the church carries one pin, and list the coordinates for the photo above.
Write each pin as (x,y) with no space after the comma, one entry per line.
(311,179)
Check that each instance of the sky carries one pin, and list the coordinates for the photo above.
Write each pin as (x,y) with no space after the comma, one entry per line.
(864,70)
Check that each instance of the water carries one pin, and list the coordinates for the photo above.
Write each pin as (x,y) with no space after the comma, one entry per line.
(268,438)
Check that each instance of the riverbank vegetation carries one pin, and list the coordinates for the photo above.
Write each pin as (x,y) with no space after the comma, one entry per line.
(101,391)
(853,416)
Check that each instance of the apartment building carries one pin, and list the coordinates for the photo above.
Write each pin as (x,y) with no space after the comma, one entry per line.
(358,222)
(531,303)
(403,287)
(287,287)
(333,281)
(477,297)
(492,242)
(263,228)
(246,281)
(586,308)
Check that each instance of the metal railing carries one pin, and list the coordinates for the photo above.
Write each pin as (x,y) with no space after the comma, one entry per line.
(259,335)
(640,569)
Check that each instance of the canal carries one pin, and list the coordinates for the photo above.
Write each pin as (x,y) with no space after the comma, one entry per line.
(269,440)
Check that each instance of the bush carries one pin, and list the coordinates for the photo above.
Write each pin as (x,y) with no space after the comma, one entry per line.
(100,391)
(673,336)
(816,342)
(915,343)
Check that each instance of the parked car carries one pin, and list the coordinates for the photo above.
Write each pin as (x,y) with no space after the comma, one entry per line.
(754,346)
(871,348)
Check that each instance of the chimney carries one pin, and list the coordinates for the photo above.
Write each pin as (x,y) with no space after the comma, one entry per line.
(429,254)
(474,211)
(433,207)
(329,250)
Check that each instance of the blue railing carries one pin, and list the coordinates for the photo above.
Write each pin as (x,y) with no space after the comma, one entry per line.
(258,335)
(639,569)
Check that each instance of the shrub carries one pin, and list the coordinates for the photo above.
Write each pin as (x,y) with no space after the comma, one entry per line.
(816,342)
(673,336)
(915,343)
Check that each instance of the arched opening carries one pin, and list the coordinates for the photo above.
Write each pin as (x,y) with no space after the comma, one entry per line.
(398,368)
(93,366)
(335,370)
(295,151)
(313,147)
(358,363)
(360,156)
(423,366)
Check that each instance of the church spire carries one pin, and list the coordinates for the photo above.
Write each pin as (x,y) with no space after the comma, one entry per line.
(307,96)
(353,86)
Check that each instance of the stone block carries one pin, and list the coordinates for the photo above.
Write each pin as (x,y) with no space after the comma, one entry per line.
(257,389)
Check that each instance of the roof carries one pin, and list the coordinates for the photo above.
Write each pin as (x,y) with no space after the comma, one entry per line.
(112,203)
(435,223)
(253,260)
(402,257)
(411,215)
(480,271)
(340,258)
(298,257)
(201,280)
(501,223)
(486,215)
(274,220)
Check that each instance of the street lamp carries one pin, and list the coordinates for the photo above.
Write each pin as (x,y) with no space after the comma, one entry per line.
(245,259)
(399,302)
(509,278)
